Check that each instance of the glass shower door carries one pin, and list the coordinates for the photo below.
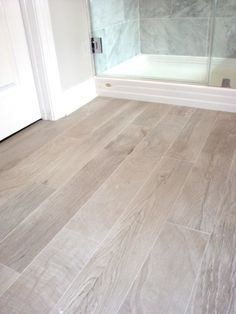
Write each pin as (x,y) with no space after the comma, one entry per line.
(223,61)
(175,39)
(116,24)
(166,40)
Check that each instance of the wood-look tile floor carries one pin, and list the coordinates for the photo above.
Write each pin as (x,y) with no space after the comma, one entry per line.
(122,207)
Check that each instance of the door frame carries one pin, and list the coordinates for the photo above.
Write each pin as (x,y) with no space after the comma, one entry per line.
(54,102)
(36,18)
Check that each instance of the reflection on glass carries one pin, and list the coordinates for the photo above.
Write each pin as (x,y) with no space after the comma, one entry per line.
(223,63)
(170,40)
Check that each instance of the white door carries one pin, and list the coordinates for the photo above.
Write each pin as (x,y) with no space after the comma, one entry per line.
(18,99)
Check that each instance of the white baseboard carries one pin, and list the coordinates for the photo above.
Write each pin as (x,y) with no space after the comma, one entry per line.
(205,97)
(74,98)
(78,96)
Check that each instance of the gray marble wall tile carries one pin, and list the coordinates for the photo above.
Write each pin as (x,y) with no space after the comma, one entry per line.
(191,8)
(105,13)
(169,27)
(155,8)
(117,22)
(120,43)
(226,8)
(224,41)
(131,9)
(175,36)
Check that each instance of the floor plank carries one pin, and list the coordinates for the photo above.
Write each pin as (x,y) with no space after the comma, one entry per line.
(16,179)
(227,116)
(176,255)
(44,282)
(215,289)
(51,163)
(191,140)
(26,241)
(25,142)
(17,209)
(152,115)
(104,210)
(105,281)
(116,193)
(7,278)
(22,144)
(101,211)
(112,108)
(198,204)
(89,145)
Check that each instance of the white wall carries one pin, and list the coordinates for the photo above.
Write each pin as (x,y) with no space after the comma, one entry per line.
(70,26)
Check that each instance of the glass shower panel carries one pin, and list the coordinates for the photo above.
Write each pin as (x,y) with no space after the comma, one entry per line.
(174,37)
(116,22)
(166,40)
(223,62)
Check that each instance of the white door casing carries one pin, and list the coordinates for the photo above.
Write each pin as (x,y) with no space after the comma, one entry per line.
(56,101)
(18,98)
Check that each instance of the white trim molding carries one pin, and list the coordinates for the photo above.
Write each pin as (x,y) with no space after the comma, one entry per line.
(205,97)
(78,96)
(36,16)
(55,102)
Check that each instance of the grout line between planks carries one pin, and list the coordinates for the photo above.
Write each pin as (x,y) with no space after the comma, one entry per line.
(111,230)
(71,177)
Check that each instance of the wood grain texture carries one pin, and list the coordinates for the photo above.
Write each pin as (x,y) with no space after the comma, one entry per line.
(152,115)
(81,212)
(53,157)
(106,279)
(50,262)
(43,283)
(166,132)
(7,278)
(14,180)
(56,158)
(40,227)
(116,193)
(21,145)
(198,204)
(89,145)
(176,255)
(191,140)
(121,186)
(227,116)
(215,289)
(17,209)
(112,108)
(101,211)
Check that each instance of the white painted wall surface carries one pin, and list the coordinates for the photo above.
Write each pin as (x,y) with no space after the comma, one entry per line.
(70,25)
